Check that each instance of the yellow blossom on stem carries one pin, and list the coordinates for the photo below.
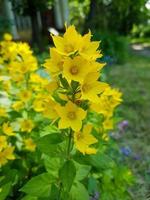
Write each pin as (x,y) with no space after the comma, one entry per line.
(29,144)
(7,129)
(8,153)
(3,142)
(26,125)
(88,48)
(25,95)
(108,124)
(7,37)
(18,105)
(69,43)
(70,116)
(76,69)
(3,112)
(83,140)
(91,87)
(54,65)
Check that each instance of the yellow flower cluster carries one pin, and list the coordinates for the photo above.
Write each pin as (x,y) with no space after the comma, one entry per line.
(72,91)
(18,84)
(73,66)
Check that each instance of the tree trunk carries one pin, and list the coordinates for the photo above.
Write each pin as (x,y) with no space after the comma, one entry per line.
(36,32)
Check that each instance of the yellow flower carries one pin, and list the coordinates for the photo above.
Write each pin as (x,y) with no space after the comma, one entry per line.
(108,124)
(27,125)
(109,99)
(51,86)
(84,139)
(8,153)
(114,96)
(3,159)
(89,48)
(50,111)
(70,116)
(25,95)
(7,37)
(91,87)
(54,65)
(102,107)
(3,112)
(76,69)
(6,85)
(16,77)
(29,144)
(7,129)
(69,43)
(39,104)
(18,105)
(3,142)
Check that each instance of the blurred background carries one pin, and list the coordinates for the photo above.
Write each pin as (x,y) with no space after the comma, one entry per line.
(123,26)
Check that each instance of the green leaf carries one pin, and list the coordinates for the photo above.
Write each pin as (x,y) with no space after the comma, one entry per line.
(50,144)
(92,185)
(64,82)
(54,192)
(67,174)
(28,197)
(4,190)
(52,165)
(82,171)
(39,186)
(54,138)
(79,192)
(49,130)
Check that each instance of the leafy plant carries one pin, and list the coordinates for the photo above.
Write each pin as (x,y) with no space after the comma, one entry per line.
(63,119)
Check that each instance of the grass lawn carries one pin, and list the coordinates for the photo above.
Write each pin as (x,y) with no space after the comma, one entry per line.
(133,78)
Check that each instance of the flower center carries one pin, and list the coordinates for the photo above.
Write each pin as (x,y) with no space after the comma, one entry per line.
(85,88)
(79,136)
(71,115)
(60,65)
(74,70)
(69,48)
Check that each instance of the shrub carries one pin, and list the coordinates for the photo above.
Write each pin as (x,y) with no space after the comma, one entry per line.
(114,46)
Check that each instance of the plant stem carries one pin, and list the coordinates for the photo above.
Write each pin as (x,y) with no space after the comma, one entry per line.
(69,144)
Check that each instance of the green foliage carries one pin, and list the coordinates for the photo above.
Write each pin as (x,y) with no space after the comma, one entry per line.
(114,46)
(133,79)
(78,9)
(67,174)
(6,26)
(142,31)
(39,186)
(116,16)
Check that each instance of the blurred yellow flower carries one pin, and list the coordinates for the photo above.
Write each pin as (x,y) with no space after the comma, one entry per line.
(54,65)
(25,95)
(26,125)
(3,142)
(108,124)
(7,129)
(29,144)
(3,112)
(8,153)
(18,105)
(7,37)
